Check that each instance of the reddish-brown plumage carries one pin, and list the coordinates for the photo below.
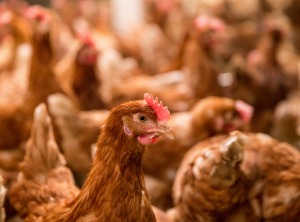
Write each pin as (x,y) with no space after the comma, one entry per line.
(118,190)
(115,188)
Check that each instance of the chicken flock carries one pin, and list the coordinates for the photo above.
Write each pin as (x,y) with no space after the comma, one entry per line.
(84,136)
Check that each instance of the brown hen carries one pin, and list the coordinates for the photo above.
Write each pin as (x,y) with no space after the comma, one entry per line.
(262,82)
(239,177)
(210,116)
(114,190)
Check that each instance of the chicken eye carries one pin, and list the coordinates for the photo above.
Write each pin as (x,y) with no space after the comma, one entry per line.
(142,118)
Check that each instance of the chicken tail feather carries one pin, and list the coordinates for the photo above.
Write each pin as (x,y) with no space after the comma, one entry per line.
(42,153)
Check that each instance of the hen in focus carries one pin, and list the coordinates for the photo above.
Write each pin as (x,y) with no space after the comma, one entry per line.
(114,190)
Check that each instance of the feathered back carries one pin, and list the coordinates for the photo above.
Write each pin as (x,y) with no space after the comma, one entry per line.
(42,153)
(2,197)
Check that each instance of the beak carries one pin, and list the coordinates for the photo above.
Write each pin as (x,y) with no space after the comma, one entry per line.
(164,130)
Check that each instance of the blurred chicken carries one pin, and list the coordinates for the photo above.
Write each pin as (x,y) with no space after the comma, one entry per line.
(77,71)
(13,78)
(210,177)
(207,118)
(239,177)
(86,84)
(42,164)
(262,82)
(33,80)
(45,189)
(77,132)
(17,111)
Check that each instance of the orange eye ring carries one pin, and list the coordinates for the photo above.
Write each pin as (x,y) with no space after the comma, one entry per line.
(142,118)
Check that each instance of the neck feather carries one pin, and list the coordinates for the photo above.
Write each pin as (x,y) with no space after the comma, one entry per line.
(115,187)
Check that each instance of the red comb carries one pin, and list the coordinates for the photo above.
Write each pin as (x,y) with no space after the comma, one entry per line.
(162,113)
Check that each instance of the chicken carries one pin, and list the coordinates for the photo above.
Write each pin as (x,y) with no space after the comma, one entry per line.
(262,76)
(77,71)
(85,78)
(43,163)
(2,197)
(241,177)
(42,60)
(210,116)
(77,130)
(13,78)
(33,80)
(16,117)
(114,190)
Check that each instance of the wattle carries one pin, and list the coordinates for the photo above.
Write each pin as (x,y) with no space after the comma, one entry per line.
(144,139)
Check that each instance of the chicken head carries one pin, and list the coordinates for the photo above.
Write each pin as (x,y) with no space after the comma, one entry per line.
(148,126)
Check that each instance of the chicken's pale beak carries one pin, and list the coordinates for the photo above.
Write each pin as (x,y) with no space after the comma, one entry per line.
(164,130)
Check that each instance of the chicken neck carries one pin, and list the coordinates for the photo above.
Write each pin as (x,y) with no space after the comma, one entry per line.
(115,188)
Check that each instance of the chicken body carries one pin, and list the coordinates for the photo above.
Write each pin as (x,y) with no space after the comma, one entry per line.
(239,177)
(262,82)
(34,80)
(43,173)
